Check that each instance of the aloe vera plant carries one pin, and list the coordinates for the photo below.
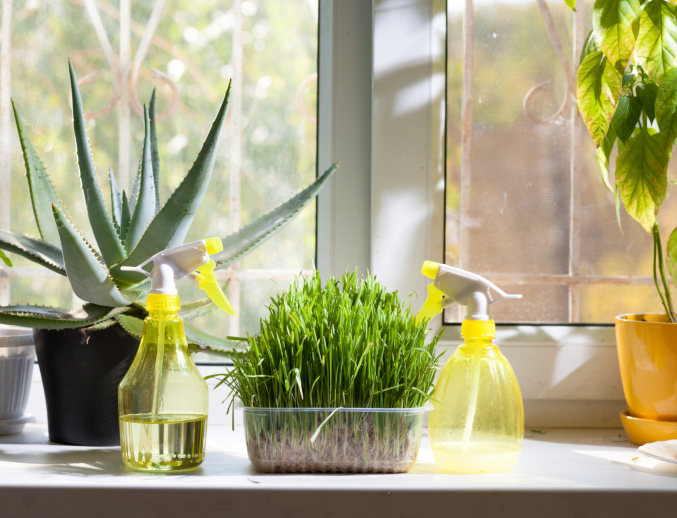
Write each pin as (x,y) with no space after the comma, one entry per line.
(129,231)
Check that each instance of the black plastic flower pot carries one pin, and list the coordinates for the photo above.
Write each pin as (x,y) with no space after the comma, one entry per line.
(81,370)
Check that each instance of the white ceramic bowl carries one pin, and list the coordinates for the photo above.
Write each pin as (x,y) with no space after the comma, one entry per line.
(17,356)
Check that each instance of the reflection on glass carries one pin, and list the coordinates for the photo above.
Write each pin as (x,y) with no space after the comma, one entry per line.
(537,219)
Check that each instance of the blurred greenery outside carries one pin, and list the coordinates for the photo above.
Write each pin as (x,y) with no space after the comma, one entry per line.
(279,143)
(520,191)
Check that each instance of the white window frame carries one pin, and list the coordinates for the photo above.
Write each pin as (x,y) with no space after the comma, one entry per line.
(382,113)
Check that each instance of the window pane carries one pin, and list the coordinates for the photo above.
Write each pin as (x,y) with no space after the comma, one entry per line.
(268,148)
(536,218)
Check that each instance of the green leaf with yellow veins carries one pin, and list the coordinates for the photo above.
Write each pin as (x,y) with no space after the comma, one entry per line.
(626,117)
(599,87)
(666,108)
(613,20)
(571,4)
(603,154)
(671,253)
(641,176)
(656,44)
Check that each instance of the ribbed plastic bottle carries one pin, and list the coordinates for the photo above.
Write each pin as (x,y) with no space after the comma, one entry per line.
(477,424)
(163,399)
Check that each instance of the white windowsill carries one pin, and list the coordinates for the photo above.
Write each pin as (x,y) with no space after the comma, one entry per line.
(575,471)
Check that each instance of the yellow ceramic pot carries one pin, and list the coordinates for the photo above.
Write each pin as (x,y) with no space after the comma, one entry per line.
(647,353)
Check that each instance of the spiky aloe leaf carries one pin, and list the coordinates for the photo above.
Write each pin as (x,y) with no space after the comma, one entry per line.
(125,217)
(43,194)
(37,251)
(88,277)
(197,340)
(240,243)
(135,188)
(100,219)
(115,200)
(171,223)
(145,205)
(44,317)
(154,151)
(197,309)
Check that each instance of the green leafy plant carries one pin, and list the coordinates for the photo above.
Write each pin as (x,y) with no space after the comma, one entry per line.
(627,96)
(128,232)
(348,344)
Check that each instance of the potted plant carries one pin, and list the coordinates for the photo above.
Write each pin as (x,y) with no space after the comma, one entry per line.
(336,380)
(84,353)
(627,96)
(17,355)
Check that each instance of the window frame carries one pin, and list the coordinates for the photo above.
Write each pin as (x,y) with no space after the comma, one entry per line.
(569,373)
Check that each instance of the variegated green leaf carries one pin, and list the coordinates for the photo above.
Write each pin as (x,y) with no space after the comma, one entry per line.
(240,243)
(154,151)
(590,45)
(145,205)
(89,278)
(626,117)
(37,251)
(648,92)
(641,176)
(571,4)
(599,87)
(656,45)
(43,194)
(126,216)
(666,109)
(100,219)
(603,154)
(43,317)
(5,259)
(671,253)
(170,225)
(613,20)
(115,200)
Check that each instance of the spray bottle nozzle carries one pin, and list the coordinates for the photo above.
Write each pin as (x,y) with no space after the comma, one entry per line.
(177,263)
(453,285)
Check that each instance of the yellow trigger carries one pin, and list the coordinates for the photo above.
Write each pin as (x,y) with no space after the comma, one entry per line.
(211,287)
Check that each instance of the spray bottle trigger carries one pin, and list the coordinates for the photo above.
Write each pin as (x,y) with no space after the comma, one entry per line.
(208,283)
(433,304)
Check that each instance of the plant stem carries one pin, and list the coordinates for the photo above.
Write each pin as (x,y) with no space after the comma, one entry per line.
(658,258)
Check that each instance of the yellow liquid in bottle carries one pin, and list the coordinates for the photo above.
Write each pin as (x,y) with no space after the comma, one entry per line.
(494,457)
(163,443)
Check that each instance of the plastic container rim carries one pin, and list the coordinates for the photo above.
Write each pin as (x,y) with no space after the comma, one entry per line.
(413,411)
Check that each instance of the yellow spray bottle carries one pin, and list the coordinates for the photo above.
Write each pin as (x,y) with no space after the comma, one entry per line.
(477,425)
(163,400)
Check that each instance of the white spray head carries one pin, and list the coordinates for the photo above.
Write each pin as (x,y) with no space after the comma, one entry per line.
(453,285)
(181,261)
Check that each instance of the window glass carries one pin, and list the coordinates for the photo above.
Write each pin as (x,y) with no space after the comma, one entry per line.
(528,210)
(267,151)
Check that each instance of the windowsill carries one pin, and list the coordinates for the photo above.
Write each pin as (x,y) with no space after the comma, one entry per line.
(581,469)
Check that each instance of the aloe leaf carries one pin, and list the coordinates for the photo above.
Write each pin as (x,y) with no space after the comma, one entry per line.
(5,259)
(641,177)
(656,45)
(613,20)
(100,219)
(206,340)
(170,225)
(135,188)
(666,110)
(37,251)
(154,151)
(115,200)
(599,87)
(43,317)
(603,154)
(197,309)
(88,277)
(626,117)
(43,194)
(240,243)
(145,206)
(126,216)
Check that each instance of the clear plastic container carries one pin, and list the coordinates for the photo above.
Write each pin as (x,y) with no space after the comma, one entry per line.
(352,440)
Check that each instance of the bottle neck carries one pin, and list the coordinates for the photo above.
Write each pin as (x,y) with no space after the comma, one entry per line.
(163,315)
(482,341)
